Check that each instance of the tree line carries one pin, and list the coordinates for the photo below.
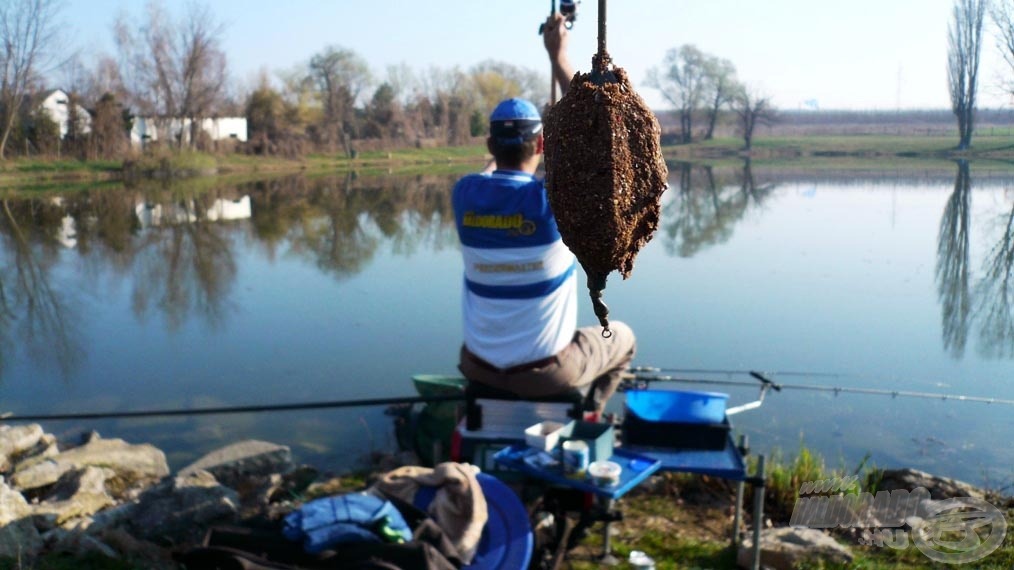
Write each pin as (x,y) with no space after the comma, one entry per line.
(701,86)
(172,70)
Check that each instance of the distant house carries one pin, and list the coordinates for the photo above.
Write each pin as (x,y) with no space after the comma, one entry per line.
(56,103)
(147,129)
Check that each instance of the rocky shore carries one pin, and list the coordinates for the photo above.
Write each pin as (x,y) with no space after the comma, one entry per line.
(119,500)
(110,499)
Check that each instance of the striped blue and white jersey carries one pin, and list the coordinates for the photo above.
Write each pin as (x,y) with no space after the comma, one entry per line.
(520,291)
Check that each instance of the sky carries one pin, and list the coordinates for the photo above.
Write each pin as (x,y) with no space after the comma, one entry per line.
(862,54)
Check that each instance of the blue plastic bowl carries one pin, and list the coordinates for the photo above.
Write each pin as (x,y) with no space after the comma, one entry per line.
(507,541)
(678,406)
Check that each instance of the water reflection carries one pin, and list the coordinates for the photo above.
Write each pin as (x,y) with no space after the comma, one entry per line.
(953,260)
(184,262)
(994,293)
(34,314)
(339,223)
(989,302)
(709,203)
(177,247)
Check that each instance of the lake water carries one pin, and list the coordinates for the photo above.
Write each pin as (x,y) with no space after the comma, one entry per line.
(303,289)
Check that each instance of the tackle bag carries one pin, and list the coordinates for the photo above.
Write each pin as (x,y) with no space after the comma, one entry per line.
(356,517)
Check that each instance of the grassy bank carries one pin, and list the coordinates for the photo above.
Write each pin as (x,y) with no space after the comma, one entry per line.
(46,172)
(1000,147)
(865,151)
(683,521)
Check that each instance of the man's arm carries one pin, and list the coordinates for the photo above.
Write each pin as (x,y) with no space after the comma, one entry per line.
(556,37)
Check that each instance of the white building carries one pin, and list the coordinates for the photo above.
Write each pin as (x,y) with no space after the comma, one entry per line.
(220,128)
(56,103)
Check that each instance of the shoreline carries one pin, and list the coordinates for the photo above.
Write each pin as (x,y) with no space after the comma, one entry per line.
(873,151)
(108,503)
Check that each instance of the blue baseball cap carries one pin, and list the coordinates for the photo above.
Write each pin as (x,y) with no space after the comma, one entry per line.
(514,121)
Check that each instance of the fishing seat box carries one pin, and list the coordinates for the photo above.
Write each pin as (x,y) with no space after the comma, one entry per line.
(495,419)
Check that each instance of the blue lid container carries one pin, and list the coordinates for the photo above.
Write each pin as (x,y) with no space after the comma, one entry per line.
(677,406)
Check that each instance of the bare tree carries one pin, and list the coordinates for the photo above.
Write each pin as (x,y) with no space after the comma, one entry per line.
(104,78)
(720,89)
(1002,13)
(340,76)
(202,67)
(27,29)
(174,69)
(681,81)
(964,45)
(752,109)
(441,110)
(403,80)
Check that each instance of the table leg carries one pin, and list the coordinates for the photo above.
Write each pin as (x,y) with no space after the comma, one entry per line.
(737,516)
(758,512)
(607,545)
(561,549)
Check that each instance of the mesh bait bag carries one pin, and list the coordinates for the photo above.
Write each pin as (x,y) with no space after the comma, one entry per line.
(604,175)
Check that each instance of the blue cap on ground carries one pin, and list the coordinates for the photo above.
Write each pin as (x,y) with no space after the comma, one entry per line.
(514,121)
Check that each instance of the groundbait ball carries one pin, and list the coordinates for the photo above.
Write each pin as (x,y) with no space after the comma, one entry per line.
(604,176)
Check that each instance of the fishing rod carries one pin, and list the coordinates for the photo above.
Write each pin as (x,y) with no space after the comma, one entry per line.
(639,375)
(8,417)
(729,372)
(767,382)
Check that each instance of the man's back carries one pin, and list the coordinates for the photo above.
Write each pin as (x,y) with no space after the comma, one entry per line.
(520,291)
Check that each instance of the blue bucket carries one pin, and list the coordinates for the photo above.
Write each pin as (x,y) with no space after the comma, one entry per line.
(678,406)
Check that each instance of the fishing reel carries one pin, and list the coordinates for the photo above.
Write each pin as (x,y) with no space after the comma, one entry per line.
(568,9)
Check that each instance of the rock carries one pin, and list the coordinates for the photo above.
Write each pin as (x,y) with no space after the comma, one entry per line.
(18,536)
(940,488)
(15,441)
(136,464)
(234,464)
(76,544)
(141,553)
(44,449)
(787,548)
(104,520)
(77,494)
(178,510)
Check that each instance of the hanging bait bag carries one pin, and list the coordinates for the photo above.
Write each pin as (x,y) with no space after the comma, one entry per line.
(604,174)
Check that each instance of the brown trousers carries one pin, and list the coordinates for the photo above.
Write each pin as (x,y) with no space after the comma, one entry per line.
(589,359)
